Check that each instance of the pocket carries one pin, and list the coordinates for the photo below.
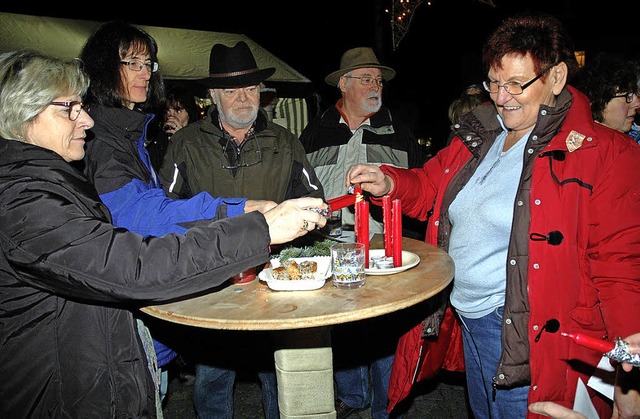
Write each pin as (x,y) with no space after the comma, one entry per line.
(589,318)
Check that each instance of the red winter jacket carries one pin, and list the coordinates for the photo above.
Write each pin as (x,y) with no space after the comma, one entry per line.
(580,179)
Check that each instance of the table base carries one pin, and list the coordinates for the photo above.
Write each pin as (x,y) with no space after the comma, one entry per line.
(304,371)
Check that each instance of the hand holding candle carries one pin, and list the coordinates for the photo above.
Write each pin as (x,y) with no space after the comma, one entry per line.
(617,351)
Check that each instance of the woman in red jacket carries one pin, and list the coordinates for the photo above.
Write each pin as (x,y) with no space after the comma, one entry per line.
(538,207)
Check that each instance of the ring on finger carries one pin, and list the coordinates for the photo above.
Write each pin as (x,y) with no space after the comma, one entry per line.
(305,225)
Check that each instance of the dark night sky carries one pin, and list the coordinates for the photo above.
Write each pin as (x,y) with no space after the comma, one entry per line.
(438,57)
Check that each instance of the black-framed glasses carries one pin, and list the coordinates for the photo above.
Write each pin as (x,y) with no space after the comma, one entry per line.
(628,97)
(238,157)
(73,108)
(368,81)
(137,65)
(514,88)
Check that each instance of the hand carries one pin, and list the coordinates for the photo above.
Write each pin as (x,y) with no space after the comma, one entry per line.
(370,178)
(633,344)
(171,124)
(554,411)
(291,219)
(626,394)
(259,205)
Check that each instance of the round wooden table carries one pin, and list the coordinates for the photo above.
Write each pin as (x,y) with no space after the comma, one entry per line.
(304,365)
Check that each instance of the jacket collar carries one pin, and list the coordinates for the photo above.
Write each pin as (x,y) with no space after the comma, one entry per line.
(556,127)
(379,119)
(116,120)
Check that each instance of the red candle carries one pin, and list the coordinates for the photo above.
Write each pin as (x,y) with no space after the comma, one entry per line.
(340,202)
(388,225)
(396,237)
(590,342)
(362,227)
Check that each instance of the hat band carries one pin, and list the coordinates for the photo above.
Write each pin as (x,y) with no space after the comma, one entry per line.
(234,73)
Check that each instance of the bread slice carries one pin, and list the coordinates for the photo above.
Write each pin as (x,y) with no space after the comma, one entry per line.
(293,269)
(280,273)
(308,269)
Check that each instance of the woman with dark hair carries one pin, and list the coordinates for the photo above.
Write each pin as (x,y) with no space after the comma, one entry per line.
(70,279)
(126,85)
(610,81)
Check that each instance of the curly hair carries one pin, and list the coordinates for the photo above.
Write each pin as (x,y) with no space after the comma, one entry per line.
(606,75)
(539,35)
(102,54)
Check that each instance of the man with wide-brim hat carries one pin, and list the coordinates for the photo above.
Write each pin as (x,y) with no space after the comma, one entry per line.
(355,58)
(359,129)
(236,151)
(235,66)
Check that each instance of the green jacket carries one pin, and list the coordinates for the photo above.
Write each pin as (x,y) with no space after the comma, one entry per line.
(195,159)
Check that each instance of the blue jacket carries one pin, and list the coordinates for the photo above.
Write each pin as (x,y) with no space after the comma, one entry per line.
(118,164)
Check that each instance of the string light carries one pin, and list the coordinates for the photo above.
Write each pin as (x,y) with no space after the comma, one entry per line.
(401,15)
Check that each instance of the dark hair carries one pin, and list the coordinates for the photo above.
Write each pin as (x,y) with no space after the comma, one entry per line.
(180,98)
(540,35)
(605,76)
(101,55)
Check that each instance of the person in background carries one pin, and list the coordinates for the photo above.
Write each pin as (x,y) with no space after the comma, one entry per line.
(70,280)
(610,81)
(359,129)
(634,132)
(179,110)
(236,151)
(538,207)
(472,97)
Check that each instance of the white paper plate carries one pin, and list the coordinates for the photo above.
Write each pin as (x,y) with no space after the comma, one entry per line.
(409,260)
(324,272)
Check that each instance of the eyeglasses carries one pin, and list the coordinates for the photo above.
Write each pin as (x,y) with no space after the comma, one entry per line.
(240,158)
(367,81)
(628,97)
(514,88)
(73,108)
(136,65)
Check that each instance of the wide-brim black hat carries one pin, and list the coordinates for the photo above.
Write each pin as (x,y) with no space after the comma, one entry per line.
(233,67)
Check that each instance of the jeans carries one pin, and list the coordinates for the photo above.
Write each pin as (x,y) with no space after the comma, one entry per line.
(365,385)
(213,392)
(482,341)
(363,355)
(219,356)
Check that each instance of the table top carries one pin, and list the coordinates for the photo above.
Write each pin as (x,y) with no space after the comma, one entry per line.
(254,306)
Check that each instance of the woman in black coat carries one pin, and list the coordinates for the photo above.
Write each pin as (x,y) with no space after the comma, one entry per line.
(69,280)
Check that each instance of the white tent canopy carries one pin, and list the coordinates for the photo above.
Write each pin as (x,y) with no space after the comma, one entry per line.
(183,54)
